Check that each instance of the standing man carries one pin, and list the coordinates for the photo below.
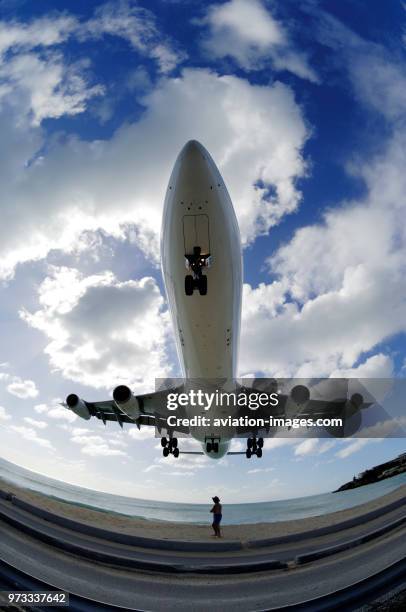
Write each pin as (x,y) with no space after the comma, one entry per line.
(217,516)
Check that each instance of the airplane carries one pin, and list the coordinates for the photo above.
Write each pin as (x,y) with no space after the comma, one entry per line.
(201,260)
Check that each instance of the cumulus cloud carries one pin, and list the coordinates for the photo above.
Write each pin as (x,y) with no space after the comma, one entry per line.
(33,68)
(145,433)
(246,31)
(58,413)
(22,388)
(19,387)
(377,366)
(97,446)
(256,136)
(52,89)
(340,284)
(102,331)
(35,423)
(34,73)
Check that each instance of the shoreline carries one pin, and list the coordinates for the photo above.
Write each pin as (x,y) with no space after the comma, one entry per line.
(167,530)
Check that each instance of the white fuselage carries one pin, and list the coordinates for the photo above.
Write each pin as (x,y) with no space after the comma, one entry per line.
(198,212)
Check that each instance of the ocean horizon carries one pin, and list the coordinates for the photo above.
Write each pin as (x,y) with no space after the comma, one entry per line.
(234,514)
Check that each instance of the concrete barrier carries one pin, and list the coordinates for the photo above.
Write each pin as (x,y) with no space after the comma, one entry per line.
(124,538)
(328,529)
(332,550)
(170,564)
(198,546)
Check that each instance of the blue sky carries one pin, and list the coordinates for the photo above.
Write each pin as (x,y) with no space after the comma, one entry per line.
(302,106)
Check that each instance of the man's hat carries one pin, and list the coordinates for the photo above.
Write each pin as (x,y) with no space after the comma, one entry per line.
(215,499)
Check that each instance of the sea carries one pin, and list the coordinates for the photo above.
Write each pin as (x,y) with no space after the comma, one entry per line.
(235,514)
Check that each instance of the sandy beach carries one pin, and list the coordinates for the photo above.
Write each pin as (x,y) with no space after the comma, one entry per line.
(187,531)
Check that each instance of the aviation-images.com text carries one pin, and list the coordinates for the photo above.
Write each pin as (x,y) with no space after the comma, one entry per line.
(253,401)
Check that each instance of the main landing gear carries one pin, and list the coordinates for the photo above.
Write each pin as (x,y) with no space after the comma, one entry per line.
(170,447)
(196,262)
(254,447)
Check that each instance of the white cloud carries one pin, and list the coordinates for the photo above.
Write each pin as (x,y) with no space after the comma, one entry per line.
(354,446)
(145,433)
(246,31)
(23,389)
(97,446)
(307,447)
(58,413)
(377,79)
(4,416)
(377,366)
(52,88)
(312,446)
(34,75)
(44,32)
(33,69)
(102,331)
(29,434)
(136,25)
(341,283)
(35,423)
(260,470)
(256,136)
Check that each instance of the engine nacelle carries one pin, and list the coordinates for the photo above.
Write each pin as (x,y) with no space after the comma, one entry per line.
(300,395)
(127,402)
(357,400)
(78,406)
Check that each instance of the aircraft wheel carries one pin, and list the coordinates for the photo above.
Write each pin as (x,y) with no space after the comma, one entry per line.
(203,285)
(209,447)
(164,442)
(248,453)
(259,453)
(260,442)
(250,442)
(215,447)
(165,451)
(189,284)
(176,453)
(174,442)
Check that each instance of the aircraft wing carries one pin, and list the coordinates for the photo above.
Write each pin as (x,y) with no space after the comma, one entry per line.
(309,409)
(140,410)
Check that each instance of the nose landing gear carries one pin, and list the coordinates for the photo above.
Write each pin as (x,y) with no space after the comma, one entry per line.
(196,262)
(254,447)
(212,445)
(170,447)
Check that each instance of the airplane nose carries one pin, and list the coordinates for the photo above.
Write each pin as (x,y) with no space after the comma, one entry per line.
(194,167)
(192,150)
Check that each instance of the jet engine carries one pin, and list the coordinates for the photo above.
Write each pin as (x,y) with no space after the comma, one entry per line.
(78,406)
(300,395)
(126,401)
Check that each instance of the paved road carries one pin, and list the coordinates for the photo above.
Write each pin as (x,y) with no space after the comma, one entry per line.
(156,592)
